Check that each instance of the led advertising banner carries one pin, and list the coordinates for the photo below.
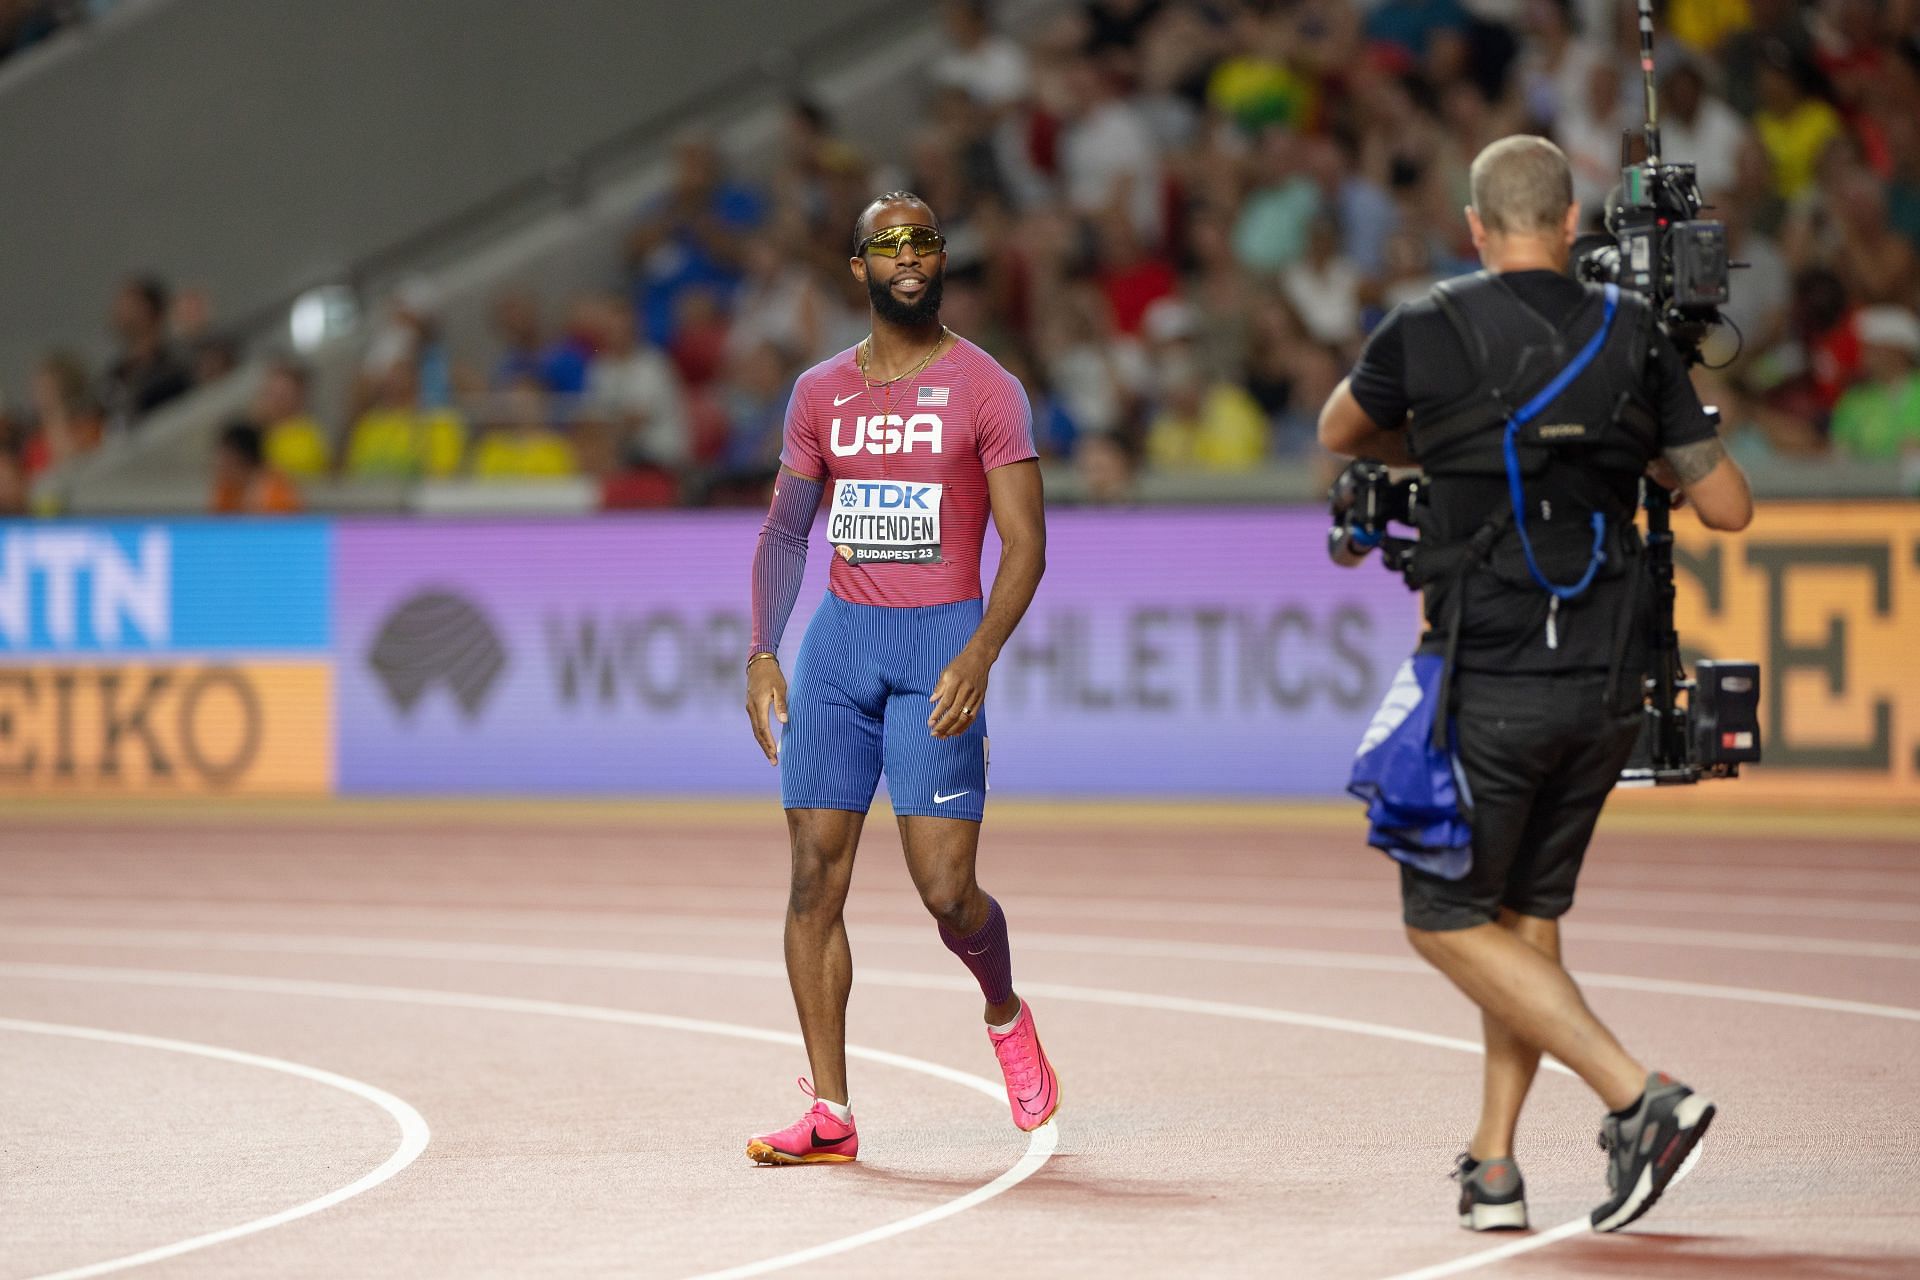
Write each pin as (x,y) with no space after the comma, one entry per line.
(154,659)
(1826,596)
(1168,653)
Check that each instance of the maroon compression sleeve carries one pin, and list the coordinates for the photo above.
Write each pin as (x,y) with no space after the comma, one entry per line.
(780,558)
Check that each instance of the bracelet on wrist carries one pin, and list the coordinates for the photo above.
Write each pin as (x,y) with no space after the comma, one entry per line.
(764,653)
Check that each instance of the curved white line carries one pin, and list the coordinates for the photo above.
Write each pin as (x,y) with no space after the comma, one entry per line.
(414,1136)
(1539,1240)
(1040,1142)
(524,954)
(1039,1148)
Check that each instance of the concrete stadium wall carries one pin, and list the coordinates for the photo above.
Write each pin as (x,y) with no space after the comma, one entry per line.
(257,148)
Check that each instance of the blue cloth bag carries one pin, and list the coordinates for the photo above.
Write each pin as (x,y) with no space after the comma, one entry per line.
(1417,797)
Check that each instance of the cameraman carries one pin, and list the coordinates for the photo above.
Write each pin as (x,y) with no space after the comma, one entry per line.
(1548,631)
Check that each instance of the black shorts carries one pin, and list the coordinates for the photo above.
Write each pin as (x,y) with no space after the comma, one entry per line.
(1541,754)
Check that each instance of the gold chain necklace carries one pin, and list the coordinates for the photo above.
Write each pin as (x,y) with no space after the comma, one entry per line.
(866,353)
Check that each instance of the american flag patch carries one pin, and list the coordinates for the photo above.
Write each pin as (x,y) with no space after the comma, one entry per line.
(932,398)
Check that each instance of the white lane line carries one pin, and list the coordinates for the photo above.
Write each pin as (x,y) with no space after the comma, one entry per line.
(712,966)
(1527,1244)
(1137,948)
(414,1136)
(1336,920)
(1040,1142)
(1043,1142)
(1176,908)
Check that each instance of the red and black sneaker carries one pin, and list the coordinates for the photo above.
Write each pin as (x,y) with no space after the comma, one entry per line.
(1646,1148)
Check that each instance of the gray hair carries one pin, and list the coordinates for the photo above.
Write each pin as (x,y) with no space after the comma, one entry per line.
(1521,184)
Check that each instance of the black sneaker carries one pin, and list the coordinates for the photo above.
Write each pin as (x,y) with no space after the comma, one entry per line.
(1648,1147)
(1493,1195)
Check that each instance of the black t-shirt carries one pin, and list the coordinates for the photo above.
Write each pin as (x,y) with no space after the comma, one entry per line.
(1505,627)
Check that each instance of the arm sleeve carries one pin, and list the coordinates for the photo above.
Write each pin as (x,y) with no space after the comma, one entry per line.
(801,451)
(780,558)
(1379,382)
(1682,420)
(1003,423)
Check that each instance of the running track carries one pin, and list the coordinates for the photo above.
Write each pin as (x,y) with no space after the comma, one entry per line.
(425,1040)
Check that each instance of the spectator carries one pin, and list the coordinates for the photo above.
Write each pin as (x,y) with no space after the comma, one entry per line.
(525,445)
(782,301)
(1108,155)
(148,371)
(1420,34)
(295,444)
(409,335)
(1777,29)
(1202,422)
(244,483)
(1697,127)
(1107,470)
(691,239)
(756,407)
(1589,132)
(1362,209)
(402,437)
(15,484)
(1757,307)
(633,390)
(1877,263)
(1795,127)
(699,346)
(1553,65)
(1253,86)
(1878,419)
(1272,227)
(989,67)
(1096,379)
(209,355)
(70,422)
(1129,278)
(1324,289)
(560,367)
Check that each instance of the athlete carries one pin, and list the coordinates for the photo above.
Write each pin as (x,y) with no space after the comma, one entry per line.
(914,434)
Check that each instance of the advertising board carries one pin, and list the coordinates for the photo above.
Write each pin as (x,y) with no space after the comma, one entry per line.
(1172,653)
(166,658)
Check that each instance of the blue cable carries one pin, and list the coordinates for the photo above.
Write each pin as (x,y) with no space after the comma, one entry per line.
(1525,414)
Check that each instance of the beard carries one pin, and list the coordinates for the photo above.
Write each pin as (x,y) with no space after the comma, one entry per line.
(921,310)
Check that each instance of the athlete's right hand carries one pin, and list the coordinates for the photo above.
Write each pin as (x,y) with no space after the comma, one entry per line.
(766,686)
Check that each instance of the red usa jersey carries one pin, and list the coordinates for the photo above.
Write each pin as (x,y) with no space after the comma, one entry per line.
(905,469)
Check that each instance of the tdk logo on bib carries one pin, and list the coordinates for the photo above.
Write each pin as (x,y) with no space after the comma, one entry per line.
(876,520)
(887,433)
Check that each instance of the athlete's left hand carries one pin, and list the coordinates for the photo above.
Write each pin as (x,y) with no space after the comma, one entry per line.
(959,694)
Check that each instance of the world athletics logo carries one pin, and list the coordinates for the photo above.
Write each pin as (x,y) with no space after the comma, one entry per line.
(438,638)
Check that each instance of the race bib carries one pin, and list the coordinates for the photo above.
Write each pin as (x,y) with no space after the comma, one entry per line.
(875,520)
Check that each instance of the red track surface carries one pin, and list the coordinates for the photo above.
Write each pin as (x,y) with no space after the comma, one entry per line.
(1226,994)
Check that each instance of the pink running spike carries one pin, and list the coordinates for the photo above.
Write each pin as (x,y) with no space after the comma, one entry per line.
(1033,1088)
(818,1137)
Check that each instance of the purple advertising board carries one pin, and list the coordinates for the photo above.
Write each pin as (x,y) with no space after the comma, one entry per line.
(1168,653)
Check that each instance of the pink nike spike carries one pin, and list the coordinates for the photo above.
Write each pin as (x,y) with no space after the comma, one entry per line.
(818,1137)
(1033,1087)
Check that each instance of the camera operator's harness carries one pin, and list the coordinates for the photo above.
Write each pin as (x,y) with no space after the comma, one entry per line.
(1407,767)
(1605,419)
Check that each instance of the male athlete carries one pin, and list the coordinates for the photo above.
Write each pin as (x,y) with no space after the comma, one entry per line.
(915,433)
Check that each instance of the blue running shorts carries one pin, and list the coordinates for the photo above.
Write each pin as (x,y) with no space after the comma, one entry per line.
(859,704)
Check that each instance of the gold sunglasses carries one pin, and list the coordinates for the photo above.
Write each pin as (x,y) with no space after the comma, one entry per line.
(925,240)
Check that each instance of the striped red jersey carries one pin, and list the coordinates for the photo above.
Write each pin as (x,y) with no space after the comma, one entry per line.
(905,469)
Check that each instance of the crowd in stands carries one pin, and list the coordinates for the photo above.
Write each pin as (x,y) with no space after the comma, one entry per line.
(1176,221)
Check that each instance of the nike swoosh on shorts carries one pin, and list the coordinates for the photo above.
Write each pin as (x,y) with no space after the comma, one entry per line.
(940,799)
